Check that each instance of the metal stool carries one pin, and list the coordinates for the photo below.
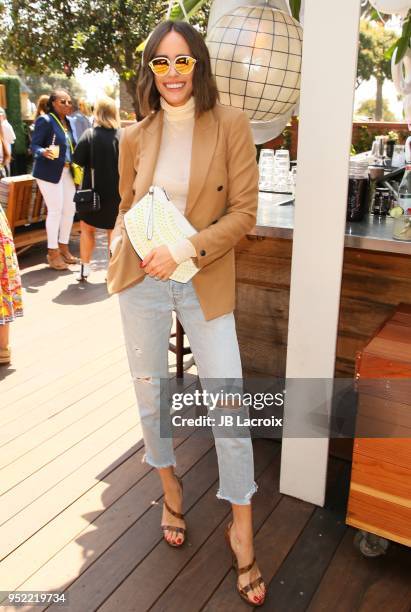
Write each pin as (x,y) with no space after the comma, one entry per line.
(180,350)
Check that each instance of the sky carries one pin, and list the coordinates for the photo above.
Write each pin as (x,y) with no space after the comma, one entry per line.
(94,83)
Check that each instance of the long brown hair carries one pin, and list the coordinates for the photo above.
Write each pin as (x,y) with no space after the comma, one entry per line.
(41,105)
(204,88)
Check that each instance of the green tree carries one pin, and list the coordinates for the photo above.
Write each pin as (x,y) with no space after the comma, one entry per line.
(45,83)
(368,109)
(375,41)
(46,34)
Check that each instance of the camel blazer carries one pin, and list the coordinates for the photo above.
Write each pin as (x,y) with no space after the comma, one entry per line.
(221,203)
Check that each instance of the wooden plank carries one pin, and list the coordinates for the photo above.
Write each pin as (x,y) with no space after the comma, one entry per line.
(158,570)
(370,364)
(298,578)
(269,247)
(358,315)
(82,429)
(384,407)
(273,543)
(24,524)
(66,384)
(77,349)
(383,517)
(81,399)
(394,450)
(351,579)
(104,575)
(56,470)
(393,590)
(398,351)
(197,574)
(382,480)
(373,264)
(31,509)
(25,418)
(110,506)
(116,555)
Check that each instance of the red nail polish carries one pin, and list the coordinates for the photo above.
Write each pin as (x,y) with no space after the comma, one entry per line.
(256,599)
(141,264)
(179,541)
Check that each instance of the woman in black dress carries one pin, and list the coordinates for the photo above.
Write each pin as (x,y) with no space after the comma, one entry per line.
(105,135)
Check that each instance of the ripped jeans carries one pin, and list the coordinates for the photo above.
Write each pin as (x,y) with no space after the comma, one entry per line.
(146,312)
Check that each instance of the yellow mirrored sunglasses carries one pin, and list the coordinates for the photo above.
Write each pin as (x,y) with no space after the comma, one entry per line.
(183,64)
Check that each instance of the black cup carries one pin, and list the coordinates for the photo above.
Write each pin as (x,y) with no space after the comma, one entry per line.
(357,201)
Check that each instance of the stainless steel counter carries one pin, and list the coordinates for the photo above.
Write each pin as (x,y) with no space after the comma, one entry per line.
(371,233)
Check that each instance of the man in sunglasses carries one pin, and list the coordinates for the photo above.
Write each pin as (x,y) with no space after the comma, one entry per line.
(52,146)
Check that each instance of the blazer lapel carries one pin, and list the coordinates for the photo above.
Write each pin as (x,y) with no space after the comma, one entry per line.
(149,150)
(204,143)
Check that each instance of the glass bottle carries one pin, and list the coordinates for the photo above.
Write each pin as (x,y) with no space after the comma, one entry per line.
(404,192)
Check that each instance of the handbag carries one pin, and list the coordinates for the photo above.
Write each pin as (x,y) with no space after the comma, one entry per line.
(88,200)
(77,171)
(155,220)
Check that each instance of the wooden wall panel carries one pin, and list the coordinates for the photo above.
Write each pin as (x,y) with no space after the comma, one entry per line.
(380,516)
(373,285)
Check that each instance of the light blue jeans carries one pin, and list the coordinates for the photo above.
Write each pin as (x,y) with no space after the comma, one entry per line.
(146,311)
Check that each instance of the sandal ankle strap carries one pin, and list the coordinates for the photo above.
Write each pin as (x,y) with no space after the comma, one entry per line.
(245,569)
(173,512)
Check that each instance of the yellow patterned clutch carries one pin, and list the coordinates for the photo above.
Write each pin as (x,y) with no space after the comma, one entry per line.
(154,221)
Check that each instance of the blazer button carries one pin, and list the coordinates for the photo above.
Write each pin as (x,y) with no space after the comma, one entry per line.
(220,188)
(202,252)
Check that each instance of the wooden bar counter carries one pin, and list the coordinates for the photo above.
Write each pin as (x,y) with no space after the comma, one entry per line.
(376,278)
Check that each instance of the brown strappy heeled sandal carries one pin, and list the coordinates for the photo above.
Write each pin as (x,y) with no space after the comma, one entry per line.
(243,591)
(178,515)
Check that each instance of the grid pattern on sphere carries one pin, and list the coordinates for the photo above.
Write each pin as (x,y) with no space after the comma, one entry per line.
(254,21)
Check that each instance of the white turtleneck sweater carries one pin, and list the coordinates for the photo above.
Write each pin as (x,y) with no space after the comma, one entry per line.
(172,171)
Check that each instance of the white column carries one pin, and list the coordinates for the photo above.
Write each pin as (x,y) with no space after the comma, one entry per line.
(327,93)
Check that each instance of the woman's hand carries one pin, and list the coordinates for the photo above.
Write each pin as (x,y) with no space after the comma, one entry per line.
(48,153)
(159,263)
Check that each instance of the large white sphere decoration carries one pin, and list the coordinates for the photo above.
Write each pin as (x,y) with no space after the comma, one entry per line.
(256,58)
(391,7)
(401,75)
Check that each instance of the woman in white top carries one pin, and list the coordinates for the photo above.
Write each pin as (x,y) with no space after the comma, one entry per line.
(204,156)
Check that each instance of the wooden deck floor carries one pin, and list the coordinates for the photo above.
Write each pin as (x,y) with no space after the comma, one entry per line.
(80,512)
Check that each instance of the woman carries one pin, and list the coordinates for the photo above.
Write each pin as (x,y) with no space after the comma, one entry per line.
(10,287)
(52,145)
(204,156)
(4,153)
(41,107)
(105,137)
(8,137)
(81,118)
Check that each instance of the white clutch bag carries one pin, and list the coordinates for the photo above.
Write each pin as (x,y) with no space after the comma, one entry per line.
(154,221)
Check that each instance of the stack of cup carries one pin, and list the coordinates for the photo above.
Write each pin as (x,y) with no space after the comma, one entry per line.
(282,170)
(266,170)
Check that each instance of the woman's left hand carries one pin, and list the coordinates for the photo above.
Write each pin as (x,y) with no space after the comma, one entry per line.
(159,263)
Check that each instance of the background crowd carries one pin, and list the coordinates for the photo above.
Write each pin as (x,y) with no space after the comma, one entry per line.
(64,136)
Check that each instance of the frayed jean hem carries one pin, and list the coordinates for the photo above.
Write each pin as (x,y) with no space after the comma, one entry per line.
(158,466)
(246,501)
